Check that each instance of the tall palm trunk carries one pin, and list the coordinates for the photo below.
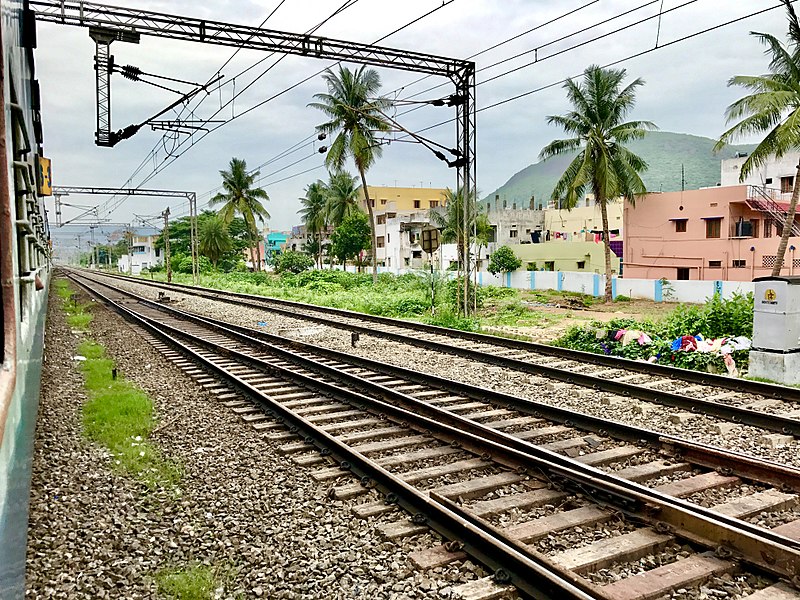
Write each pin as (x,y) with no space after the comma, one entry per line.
(787,225)
(373,240)
(609,295)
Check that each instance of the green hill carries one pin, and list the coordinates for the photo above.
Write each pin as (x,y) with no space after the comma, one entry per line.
(663,151)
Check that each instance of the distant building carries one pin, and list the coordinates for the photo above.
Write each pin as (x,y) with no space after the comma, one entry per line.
(400,205)
(720,233)
(143,253)
(575,256)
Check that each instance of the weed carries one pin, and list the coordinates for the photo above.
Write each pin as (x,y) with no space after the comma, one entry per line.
(193,583)
(119,416)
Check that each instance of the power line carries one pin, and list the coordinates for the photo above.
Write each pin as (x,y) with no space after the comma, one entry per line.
(562,81)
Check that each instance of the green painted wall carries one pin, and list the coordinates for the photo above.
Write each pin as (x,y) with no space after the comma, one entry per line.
(565,256)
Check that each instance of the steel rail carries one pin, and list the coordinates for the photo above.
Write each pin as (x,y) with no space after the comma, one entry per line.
(697,453)
(736,414)
(769,390)
(762,548)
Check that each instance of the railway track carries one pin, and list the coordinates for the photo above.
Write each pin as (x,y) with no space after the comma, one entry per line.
(486,472)
(772,407)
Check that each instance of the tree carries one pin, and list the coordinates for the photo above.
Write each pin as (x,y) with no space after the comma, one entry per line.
(240,197)
(603,164)
(214,240)
(342,197)
(773,108)
(315,217)
(503,260)
(355,112)
(293,262)
(450,221)
(351,237)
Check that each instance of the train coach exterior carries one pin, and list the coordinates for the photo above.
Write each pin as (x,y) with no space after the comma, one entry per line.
(24,279)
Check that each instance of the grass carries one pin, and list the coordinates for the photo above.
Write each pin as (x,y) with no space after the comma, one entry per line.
(765,380)
(196,582)
(118,415)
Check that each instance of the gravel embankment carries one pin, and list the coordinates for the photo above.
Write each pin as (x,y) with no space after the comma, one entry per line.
(699,428)
(96,533)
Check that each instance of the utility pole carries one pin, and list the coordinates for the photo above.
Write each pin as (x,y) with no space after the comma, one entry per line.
(130,250)
(78,262)
(92,260)
(193,235)
(165,214)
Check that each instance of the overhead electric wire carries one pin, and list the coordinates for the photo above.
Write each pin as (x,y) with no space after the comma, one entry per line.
(562,81)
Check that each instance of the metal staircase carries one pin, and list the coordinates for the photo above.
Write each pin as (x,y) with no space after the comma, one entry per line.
(763,200)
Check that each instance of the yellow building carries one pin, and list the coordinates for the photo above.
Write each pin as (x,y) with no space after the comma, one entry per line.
(583,219)
(401,198)
(407,203)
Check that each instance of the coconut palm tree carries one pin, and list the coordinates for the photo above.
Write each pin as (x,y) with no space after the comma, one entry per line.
(342,197)
(214,239)
(240,197)
(773,108)
(315,216)
(355,113)
(450,221)
(603,164)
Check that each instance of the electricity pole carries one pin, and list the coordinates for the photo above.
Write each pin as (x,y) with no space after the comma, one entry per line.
(165,214)
(130,250)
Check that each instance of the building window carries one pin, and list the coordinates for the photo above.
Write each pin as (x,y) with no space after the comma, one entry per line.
(754,223)
(387,238)
(739,263)
(379,241)
(417,203)
(581,264)
(767,228)
(512,233)
(715,264)
(713,228)
(682,274)
(680,226)
(383,201)
(381,220)
(768,181)
(434,203)
(786,184)
(372,202)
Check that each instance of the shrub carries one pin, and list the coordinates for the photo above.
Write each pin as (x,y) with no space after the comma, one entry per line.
(503,260)
(293,262)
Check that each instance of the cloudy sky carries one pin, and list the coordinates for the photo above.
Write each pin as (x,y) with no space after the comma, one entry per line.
(685,88)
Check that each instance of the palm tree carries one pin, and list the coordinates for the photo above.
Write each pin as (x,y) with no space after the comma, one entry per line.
(774,108)
(240,197)
(214,239)
(315,215)
(342,197)
(452,229)
(603,164)
(356,116)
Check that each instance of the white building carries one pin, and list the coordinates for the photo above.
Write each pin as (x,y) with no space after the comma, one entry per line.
(776,174)
(143,253)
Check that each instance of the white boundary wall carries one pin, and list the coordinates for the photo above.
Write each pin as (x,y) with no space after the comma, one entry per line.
(658,290)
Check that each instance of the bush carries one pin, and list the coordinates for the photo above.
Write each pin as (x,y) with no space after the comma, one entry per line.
(717,318)
(451,320)
(293,262)
(503,260)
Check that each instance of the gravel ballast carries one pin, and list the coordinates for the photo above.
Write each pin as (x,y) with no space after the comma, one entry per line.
(240,506)
(700,428)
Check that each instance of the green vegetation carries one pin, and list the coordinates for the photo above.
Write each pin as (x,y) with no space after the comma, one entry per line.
(715,319)
(293,262)
(603,165)
(117,414)
(503,260)
(196,582)
(351,238)
(78,315)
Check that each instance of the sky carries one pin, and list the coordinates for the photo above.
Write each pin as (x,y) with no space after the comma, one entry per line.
(685,90)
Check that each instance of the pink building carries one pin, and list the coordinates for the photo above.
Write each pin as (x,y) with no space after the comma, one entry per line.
(722,233)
